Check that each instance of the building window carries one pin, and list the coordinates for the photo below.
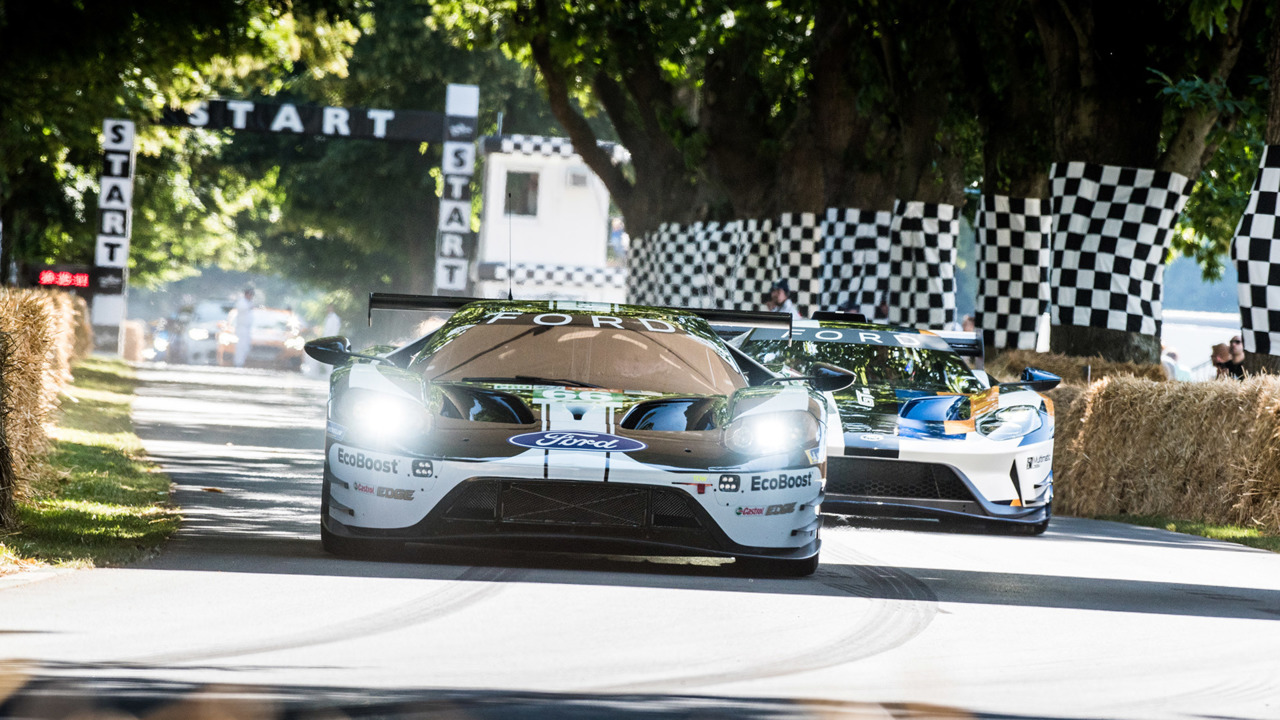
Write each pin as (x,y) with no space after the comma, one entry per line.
(522,193)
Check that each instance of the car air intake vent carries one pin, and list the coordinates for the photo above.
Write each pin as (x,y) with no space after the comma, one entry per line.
(868,477)
(671,415)
(482,405)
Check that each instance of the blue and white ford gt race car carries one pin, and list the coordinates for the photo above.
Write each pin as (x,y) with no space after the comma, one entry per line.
(919,434)
(574,426)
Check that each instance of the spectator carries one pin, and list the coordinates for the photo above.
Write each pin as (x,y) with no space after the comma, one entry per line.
(1169,360)
(332,323)
(244,327)
(1235,361)
(1222,361)
(780,296)
(969,324)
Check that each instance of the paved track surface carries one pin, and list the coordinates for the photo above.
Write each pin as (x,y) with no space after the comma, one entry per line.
(243,608)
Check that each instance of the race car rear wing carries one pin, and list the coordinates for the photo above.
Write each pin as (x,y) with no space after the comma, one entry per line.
(737,319)
(426,303)
(965,344)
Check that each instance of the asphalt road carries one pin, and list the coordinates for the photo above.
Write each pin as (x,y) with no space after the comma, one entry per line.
(243,609)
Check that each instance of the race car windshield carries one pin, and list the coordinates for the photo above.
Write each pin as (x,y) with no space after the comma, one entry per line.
(623,358)
(902,368)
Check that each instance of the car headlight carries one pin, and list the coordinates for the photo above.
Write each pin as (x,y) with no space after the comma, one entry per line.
(294,343)
(198,334)
(1009,423)
(771,433)
(376,415)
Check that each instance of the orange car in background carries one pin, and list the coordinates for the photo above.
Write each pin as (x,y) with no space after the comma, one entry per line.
(276,337)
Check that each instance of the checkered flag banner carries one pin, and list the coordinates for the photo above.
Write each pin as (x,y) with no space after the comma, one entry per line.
(544,145)
(571,275)
(1257,254)
(666,267)
(703,265)
(922,258)
(1111,230)
(801,259)
(1013,269)
(856,247)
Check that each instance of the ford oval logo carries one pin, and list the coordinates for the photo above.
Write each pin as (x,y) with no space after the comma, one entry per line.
(575,440)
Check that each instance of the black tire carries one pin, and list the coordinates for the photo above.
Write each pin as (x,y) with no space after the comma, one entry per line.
(776,568)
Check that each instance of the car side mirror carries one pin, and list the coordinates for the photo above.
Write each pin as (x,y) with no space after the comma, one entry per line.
(823,377)
(1034,379)
(329,350)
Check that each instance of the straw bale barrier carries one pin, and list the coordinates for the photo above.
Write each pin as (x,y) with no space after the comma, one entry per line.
(134,338)
(1206,451)
(41,333)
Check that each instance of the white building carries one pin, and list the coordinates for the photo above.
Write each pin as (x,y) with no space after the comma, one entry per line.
(547,215)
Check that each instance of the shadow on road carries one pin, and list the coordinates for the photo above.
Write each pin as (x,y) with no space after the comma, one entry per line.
(111,691)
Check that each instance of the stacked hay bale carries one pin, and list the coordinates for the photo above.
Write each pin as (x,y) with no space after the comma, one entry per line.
(42,333)
(1202,451)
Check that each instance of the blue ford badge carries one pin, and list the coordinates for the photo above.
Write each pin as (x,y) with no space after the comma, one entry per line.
(573,440)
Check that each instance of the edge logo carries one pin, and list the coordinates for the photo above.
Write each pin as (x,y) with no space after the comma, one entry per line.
(782,509)
(573,440)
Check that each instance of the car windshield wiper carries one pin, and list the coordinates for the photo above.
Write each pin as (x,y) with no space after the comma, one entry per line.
(532,380)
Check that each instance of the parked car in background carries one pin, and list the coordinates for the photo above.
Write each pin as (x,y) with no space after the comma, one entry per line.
(276,337)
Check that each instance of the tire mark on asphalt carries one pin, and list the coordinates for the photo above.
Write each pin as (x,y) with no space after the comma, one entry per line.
(902,606)
(473,585)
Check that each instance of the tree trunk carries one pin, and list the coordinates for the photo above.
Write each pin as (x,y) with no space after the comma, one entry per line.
(1261,364)
(1113,345)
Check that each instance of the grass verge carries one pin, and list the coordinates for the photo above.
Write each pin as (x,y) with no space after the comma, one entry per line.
(1232,533)
(99,503)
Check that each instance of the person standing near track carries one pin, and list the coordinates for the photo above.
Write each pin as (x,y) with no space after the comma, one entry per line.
(244,326)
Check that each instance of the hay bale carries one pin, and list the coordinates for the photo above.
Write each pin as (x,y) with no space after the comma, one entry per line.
(1009,364)
(30,383)
(1201,451)
(135,333)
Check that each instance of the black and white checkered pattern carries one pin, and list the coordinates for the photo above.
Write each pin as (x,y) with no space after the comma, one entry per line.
(1111,230)
(544,145)
(801,258)
(1257,254)
(575,276)
(666,267)
(856,245)
(757,265)
(922,257)
(1013,238)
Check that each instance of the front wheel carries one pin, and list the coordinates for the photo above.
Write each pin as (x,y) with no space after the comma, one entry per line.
(776,568)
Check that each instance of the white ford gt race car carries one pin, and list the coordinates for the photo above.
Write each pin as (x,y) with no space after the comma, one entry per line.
(574,426)
(919,434)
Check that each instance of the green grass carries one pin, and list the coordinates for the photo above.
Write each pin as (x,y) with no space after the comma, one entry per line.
(1233,533)
(100,503)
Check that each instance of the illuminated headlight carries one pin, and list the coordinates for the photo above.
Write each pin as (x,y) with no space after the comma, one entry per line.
(294,343)
(198,334)
(162,344)
(382,416)
(730,483)
(1009,423)
(771,433)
